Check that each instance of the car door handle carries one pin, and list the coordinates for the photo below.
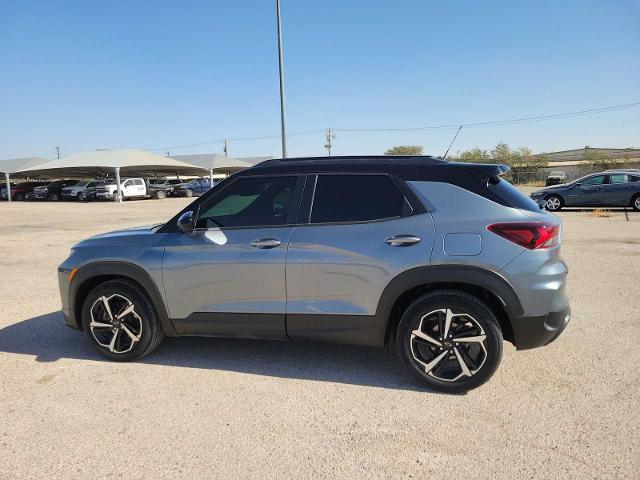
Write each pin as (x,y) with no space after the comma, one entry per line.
(402,240)
(266,243)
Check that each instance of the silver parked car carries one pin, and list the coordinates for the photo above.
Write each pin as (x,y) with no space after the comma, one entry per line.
(437,261)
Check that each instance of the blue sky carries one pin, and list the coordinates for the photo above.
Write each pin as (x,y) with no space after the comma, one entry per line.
(154,74)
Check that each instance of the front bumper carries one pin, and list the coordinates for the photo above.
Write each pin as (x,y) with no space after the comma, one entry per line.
(540,330)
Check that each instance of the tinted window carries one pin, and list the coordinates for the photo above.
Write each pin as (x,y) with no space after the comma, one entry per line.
(510,195)
(355,198)
(598,180)
(633,178)
(263,201)
(618,178)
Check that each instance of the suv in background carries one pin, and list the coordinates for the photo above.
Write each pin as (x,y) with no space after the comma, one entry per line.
(194,188)
(556,178)
(53,190)
(19,191)
(437,261)
(614,189)
(82,191)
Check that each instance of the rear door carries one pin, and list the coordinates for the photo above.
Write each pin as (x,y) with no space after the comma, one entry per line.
(620,189)
(357,232)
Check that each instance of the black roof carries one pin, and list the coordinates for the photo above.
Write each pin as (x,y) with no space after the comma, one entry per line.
(405,166)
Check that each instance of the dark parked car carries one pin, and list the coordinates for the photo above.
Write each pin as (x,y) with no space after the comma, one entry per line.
(556,178)
(52,191)
(194,188)
(19,191)
(169,184)
(157,189)
(614,189)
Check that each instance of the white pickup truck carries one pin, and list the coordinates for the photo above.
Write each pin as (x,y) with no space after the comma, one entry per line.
(131,188)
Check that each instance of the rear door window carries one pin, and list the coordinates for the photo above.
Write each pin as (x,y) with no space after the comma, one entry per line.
(355,198)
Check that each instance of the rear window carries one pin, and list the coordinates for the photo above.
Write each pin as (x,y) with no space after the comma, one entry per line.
(510,195)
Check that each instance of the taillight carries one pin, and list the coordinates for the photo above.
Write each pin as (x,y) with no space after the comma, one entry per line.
(531,235)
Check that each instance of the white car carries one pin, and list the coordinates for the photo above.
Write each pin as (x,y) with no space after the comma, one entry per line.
(81,190)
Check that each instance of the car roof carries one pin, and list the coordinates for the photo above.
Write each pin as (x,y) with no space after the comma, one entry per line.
(406,166)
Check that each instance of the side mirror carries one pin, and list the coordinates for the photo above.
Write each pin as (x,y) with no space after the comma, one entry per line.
(578,185)
(187,222)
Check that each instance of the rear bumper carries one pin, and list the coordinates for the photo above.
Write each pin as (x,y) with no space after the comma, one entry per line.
(537,331)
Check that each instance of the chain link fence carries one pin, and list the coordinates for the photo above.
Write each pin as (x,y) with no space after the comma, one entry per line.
(538,177)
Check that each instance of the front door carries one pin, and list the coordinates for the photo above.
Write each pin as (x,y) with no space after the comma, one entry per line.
(589,193)
(360,234)
(227,278)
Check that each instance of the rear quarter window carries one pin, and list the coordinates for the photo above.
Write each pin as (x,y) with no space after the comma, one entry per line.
(510,195)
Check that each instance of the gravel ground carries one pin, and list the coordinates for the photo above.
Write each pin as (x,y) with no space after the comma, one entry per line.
(202,408)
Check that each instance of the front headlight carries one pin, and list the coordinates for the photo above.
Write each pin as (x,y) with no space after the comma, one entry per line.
(537,194)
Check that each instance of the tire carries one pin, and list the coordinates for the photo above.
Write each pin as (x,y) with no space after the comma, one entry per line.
(453,366)
(554,203)
(54,197)
(635,202)
(189,192)
(141,323)
(160,194)
(18,197)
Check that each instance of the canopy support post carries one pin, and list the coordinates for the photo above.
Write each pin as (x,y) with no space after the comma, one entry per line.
(210,177)
(6,178)
(119,190)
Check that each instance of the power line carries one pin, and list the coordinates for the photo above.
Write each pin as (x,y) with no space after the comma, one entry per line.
(513,121)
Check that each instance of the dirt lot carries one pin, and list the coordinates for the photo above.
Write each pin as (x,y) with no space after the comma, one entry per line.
(238,408)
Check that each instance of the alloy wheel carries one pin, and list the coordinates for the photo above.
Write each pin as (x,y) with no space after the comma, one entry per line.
(117,332)
(553,203)
(448,345)
(636,203)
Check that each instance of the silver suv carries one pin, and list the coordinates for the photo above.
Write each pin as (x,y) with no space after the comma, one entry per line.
(437,261)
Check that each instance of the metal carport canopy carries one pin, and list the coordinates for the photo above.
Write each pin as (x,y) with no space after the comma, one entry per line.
(11,166)
(215,162)
(112,162)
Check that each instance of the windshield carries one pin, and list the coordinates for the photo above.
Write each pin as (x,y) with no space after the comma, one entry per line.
(556,174)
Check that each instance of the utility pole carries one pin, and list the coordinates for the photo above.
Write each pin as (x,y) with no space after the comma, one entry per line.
(226,148)
(281,71)
(58,152)
(330,136)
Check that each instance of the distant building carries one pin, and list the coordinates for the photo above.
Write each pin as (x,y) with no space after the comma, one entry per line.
(581,156)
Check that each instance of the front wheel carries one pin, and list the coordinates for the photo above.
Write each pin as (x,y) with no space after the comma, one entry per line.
(553,203)
(450,341)
(189,193)
(54,197)
(120,321)
(160,194)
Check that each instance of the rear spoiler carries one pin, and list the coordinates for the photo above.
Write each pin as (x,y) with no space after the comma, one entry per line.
(482,171)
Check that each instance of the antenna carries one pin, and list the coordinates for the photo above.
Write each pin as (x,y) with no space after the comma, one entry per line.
(451,144)
(226,148)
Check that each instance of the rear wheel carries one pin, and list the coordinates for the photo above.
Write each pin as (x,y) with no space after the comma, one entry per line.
(54,197)
(554,203)
(450,341)
(18,196)
(635,203)
(120,321)
(189,192)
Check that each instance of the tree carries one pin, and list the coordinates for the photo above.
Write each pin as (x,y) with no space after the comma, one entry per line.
(501,153)
(405,150)
(475,155)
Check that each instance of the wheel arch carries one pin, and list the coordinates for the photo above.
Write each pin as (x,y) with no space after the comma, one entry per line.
(487,285)
(93,274)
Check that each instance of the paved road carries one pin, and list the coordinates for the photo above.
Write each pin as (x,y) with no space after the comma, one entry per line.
(202,408)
